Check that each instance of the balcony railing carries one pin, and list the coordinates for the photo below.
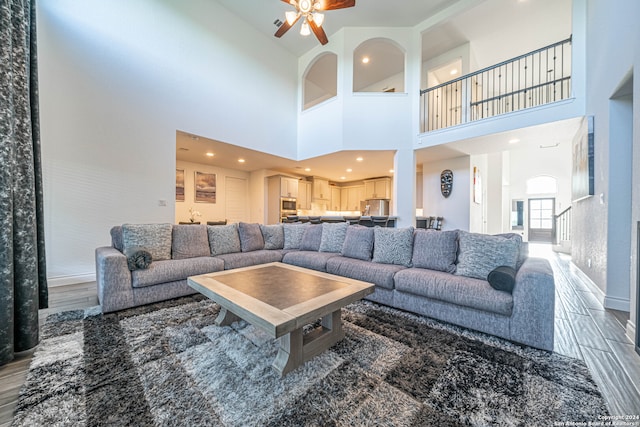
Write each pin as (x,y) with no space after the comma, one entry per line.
(536,78)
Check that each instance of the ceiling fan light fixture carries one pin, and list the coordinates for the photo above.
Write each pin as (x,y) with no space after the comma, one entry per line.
(291,16)
(318,18)
(305,6)
(304,30)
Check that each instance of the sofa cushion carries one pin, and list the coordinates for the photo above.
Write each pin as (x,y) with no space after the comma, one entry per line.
(393,245)
(309,259)
(458,290)
(523,247)
(246,259)
(435,250)
(223,239)
(293,234)
(273,236)
(333,235)
(173,270)
(138,258)
(358,242)
(378,274)
(250,237)
(116,238)
(189,241)
(155,238)
(311,238)
(481,253)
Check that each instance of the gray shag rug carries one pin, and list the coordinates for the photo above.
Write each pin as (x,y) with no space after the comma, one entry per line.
(169,364)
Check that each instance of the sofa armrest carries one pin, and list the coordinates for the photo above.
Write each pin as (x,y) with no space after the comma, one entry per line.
(532,320)
(113,279)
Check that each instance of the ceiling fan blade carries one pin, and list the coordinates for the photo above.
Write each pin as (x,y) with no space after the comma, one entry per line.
(285,27)
(318,31)
(287,1)
(336,4)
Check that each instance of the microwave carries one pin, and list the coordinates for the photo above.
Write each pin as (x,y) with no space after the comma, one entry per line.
(287,204)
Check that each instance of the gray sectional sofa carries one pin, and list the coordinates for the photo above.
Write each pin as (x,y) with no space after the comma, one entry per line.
(439,274)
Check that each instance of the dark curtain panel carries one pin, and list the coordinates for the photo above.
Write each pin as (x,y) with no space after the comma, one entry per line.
(23,284)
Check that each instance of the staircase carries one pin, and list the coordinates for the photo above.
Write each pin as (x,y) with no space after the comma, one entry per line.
(562,232)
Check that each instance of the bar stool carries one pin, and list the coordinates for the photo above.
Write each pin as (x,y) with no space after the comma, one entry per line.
(352,219)
(315,220)
(380,221)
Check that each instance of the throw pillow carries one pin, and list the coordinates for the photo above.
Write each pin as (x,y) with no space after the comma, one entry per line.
(481,253)
(273,236)
(358,242)
(393,245)
(435,250)
(138,258)
(293,235)
(250,237)
(333,235)
(502,278)
(155,238)
(189,241)
(311,238)
(223,239)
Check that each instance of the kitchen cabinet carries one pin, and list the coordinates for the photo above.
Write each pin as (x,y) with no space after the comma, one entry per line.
(304,195)
(320,190)
(288,187)
(379,188)
(335,199)
(350,198)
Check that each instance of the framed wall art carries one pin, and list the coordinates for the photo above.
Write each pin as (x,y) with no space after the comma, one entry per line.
(179,185)
(205,187)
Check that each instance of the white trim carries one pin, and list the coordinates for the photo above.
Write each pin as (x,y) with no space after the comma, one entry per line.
(631,331)
(616,303)
(71,280)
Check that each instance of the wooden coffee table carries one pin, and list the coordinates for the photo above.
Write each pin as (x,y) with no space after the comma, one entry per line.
(281,299)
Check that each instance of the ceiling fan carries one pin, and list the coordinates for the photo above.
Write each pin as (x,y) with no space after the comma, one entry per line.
(309,10)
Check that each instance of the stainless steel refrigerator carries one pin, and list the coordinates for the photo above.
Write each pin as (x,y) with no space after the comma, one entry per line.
(375,207)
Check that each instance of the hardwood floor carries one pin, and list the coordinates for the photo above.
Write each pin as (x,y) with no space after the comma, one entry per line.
(584,330)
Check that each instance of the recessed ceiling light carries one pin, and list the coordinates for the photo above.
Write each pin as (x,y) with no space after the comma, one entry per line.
(391,171)
(210,154)
(359,159)
(307,169)
(514,141)
(365,60)
(453,72)
(241,160)
(349,170)
(343,177)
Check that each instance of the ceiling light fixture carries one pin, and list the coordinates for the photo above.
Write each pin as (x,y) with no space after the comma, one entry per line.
(312,19)
(349,170)
(391,171)
(307,169)
(241,160)
(365,60)
(359,159)
(453,72)
(514,141)
(210,154)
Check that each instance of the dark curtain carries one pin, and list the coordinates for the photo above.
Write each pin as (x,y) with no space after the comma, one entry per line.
(23,284)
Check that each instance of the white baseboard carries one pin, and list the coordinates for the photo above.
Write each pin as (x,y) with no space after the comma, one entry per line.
(71,280)
(631,331)
(615,303)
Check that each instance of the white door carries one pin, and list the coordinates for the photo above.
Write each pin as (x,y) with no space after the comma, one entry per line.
(237,195)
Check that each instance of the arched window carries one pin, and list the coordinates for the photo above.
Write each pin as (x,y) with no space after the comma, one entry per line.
(542,185)
(320,80)
(378,66)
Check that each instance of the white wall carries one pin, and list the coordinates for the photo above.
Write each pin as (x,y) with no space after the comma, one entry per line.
(117,79)
(613,53)
(210,211)
(456,208)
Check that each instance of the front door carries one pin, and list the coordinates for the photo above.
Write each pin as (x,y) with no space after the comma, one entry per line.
(541,213)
